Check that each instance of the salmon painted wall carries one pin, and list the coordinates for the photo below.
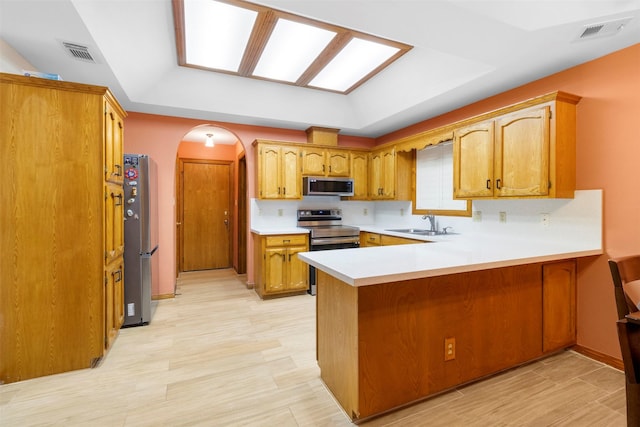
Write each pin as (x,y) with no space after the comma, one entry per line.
(161,138)
(608,158)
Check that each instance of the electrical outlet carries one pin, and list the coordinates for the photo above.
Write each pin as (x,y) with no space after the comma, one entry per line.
(503,217)
(449,348)
(545,219)
(477,216)
(401,212)
(365,211)
(279,212)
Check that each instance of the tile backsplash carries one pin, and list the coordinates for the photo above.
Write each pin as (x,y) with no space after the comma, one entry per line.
(577,218)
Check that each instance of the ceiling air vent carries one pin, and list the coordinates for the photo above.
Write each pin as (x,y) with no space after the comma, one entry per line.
(79,52)
(603,29)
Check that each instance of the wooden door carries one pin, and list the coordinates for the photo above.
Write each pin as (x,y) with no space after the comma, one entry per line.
(313,162)
(522,153)
(338,162)
(269,172)
(291,173)
(206,215)
(298,270)
(359,171)
(389,174)
(473,161)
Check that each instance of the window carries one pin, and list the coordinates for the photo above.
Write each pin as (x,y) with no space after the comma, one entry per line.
(434,182)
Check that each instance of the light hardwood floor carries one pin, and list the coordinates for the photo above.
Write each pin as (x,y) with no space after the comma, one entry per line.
(217,355)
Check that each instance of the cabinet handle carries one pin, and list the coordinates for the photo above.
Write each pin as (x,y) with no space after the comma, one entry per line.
(323,169)
(119,170)
(119,274)
(498,184)
(278,190)
(286,241)
(488,184)
(119,197)
(284,190)
(329,169)
(289,257)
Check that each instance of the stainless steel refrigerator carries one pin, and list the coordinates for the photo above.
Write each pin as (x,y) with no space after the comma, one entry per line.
(141,267)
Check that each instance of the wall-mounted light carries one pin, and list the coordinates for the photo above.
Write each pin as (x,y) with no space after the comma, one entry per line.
(209,141)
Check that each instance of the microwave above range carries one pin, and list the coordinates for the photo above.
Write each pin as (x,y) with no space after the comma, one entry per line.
(327,186)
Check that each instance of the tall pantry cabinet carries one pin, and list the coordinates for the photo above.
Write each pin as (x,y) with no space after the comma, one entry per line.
(61,240)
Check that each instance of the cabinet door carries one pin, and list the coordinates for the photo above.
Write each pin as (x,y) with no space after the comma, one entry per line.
(113,302)
(274,269)
(298,271)
(291,175)
(558,305)
(389,174)
(114,222)
(522,153)
(473,161)
(375,175)
(338,163)
(360,174)
(269,172)
(113,140)
(313,162)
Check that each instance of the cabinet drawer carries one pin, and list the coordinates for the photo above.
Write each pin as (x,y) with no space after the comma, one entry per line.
(286,240)
(371,238)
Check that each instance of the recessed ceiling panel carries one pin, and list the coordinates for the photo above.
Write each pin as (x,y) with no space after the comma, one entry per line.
(290,50)
(217,33)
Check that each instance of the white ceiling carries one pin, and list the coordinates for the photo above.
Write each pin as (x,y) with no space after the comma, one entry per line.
(464,51)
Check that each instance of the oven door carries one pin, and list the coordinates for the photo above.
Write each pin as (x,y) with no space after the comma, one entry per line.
(315,246)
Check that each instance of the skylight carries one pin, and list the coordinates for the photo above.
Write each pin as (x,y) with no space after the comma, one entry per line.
(249,40)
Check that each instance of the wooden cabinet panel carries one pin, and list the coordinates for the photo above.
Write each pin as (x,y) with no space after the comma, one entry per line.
(522,153)
(113,301)
(278,269)
(559,305)
(338,163)
(359,165)
(325,162)
(526,152)
(60,226)
(279,173)
(313,161)
(473,161)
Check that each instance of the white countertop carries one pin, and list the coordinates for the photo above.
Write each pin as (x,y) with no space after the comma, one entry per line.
(270,231)
(445,255)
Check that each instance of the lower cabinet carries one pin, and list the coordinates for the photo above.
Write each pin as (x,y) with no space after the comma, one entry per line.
(375,239)
(278,269)
(113,301)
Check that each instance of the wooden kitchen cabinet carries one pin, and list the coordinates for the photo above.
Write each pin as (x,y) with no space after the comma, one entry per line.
(62,144)
(558,305)
(325,162)
(279,271)
(114,222)
(359,168)
(390,174)
(113,301)
(279,171)
(369,239)
(526,152)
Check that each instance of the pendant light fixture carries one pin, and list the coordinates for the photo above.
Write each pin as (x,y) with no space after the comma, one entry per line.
(209,140)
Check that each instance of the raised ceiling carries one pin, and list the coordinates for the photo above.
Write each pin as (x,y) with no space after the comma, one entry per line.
(463,51)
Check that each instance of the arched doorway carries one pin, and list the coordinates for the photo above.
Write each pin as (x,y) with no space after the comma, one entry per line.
(210,201)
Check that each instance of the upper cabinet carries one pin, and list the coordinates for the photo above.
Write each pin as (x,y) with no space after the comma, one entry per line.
(279,172)
(528,151)
(390,174)
(325,162)
(359,165)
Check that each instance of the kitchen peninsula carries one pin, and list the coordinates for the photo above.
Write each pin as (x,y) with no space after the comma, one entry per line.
(396,324)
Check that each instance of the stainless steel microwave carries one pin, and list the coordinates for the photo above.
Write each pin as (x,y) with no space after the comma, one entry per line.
(327,186)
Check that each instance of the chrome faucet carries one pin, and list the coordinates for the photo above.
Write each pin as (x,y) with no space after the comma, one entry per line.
(432,220)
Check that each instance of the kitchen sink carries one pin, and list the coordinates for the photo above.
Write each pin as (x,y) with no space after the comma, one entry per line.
(419,231)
